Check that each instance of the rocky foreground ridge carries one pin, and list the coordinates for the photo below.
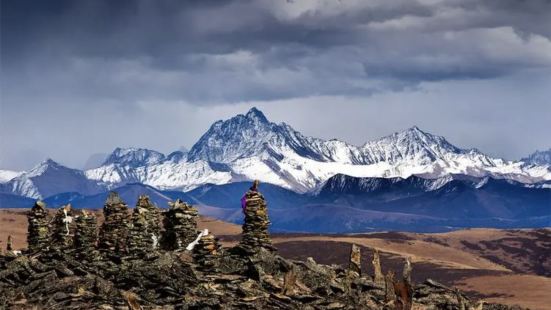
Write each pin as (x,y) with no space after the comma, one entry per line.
(158,260)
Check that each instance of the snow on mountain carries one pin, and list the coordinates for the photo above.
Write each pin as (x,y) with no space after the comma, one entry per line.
(276,153)
(539,158)
(249,146)
(7,175)
(153,168)
(344,184)
(49,178)
(134,157)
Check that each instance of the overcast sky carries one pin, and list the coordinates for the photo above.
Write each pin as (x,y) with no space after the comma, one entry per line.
(83,77)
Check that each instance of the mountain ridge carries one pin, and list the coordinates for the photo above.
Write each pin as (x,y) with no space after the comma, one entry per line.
(249,146)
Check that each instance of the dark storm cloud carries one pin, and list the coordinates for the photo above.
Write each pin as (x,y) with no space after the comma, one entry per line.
(331,47)
(65,61)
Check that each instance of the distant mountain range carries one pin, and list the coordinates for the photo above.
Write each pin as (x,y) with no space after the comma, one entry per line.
(249,146)
(410,180)
(350,204)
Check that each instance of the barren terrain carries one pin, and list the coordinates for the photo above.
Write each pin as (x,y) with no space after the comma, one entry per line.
(506,266)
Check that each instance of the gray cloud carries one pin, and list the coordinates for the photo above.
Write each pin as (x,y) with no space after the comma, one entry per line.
(99,65)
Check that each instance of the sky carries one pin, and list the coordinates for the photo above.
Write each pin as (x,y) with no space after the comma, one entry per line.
(80,78)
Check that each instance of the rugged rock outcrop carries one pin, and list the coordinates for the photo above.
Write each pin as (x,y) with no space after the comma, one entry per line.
(199,275)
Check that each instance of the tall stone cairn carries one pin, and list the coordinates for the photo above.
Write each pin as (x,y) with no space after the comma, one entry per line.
(255,228)
(86,237)
(153,218)
(378,276)
(62,228)
(9,244)
(355,260)
(206,252)
(38,229)
(180,224)
(113,232)
(143,235)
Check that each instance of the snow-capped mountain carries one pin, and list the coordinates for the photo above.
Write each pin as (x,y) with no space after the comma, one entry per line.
(49,178)
(276,153)
(134,157)
(539,158)
(7,175)
(343,184)
(249,146)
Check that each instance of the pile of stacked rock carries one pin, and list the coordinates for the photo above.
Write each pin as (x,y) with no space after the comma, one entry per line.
(180,223)
(143,235)
(206,252)
(213,279)
(62,228)
(113,232)
(355,265)
(153,219)
(9,244)
(86,237)
(255,228)
(38,229)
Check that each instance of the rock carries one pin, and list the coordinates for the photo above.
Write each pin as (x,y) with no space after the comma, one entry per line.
(38,229)
(9,244)
(209,277)
(131,300)
(86,237)
(255,227)
(180,222)
(355,260)
(63,228)
(144,231)
(390,295)
(206,252)
(153,218)
(113,232)
(378,276)
(289,281)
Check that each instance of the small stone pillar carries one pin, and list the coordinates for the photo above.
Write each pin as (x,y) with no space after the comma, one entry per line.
(390,295)
(38,229)
(378,276)
(113,232)
(143,235)
(206,252)
(62,228)
(86,237)
(255,228)
(9,244)
(180,223)
(153,218)
(355,260)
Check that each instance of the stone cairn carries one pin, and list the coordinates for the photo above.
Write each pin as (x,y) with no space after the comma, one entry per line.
(263,280)
(86,237)
(9,244)
(255,228)
(180,223)
(62,228)
(113,232)
(378,276)
(206,252)
(144,232)
(38,229)
(154,219)
(355,260)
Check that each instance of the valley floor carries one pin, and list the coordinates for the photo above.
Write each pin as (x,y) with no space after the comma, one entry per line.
(505,266)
